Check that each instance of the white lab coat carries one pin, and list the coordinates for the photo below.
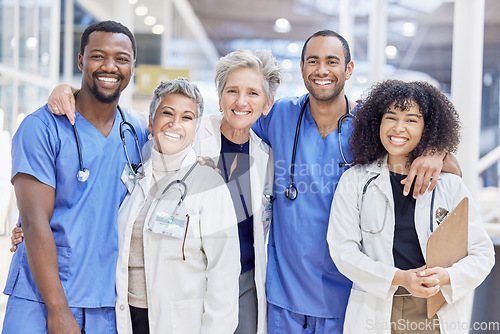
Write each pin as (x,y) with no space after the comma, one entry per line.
(200,294)
(261,183)
(367,259)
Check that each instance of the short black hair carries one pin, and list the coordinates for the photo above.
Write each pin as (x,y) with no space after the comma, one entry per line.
(326,33)
(441,122)
(107,26)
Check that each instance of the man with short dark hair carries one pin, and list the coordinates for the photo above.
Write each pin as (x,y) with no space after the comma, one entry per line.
(62,277)
(305,291)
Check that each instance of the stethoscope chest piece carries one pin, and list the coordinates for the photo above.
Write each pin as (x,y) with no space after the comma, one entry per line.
(83,175)
(135,173)
(291,192)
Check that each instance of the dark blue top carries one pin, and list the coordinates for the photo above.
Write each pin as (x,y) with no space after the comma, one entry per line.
(406,247)
(234,165)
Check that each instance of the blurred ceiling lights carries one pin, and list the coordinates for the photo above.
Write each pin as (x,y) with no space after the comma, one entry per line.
(158,29)
(149,20)
(282,25)
(141,10)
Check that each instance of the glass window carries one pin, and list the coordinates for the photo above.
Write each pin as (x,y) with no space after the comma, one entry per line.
(27,39)
(44,53)
(7,35)
(7,103)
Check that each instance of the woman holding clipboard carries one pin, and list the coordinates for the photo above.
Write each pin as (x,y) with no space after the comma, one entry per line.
(377,235)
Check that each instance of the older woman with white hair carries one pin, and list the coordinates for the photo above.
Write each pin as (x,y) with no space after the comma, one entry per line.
(177,269)
(246,83)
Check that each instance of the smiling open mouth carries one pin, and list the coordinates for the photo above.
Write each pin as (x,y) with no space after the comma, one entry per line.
(322,82)
(241,113)
(398,139)
(172,136)
(106,79)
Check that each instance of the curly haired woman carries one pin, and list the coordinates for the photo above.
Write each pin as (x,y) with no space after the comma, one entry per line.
(377,236)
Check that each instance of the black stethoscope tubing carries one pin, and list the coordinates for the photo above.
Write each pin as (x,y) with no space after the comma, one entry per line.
(365,188)
(291,191)
(134,169)
(83,172)
(182,184)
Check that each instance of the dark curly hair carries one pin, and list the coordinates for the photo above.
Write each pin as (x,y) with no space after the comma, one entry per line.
(441,122)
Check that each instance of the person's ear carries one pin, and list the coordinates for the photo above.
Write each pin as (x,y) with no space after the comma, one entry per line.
(80,61)
(349,69)
(268,106)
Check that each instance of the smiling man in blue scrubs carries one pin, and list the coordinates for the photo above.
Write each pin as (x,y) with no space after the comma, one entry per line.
(305,291)
(62,277)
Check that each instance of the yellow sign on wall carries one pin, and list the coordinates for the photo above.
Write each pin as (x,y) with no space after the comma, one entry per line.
(148,77)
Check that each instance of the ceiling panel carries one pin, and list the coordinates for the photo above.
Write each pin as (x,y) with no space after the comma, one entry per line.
(251,23)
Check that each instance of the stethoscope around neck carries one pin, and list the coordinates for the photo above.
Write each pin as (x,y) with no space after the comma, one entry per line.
(387,206)
(291,191)
(135,170)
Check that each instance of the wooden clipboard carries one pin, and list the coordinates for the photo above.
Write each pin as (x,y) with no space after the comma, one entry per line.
(446,246)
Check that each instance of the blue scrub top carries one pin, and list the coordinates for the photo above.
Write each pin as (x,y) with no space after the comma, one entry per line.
(85,213)
(301,276)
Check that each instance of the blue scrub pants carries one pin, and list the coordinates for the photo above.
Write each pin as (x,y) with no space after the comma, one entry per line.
(282,321)
(29,317)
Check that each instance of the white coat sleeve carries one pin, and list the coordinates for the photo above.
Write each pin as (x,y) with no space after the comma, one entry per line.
(468,273)
(220,243)
(268,188)
(345,240)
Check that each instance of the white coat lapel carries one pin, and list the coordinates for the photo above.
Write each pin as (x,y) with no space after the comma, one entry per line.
(210,140)
(383,181)
(145,182)
(258,163)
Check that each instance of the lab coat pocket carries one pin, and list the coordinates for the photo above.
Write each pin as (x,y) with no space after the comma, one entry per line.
(188,246)
(361,313)
(186,316)
(455,312)
(127,181)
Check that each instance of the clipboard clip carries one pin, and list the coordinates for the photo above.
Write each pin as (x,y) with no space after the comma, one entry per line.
(441,214)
